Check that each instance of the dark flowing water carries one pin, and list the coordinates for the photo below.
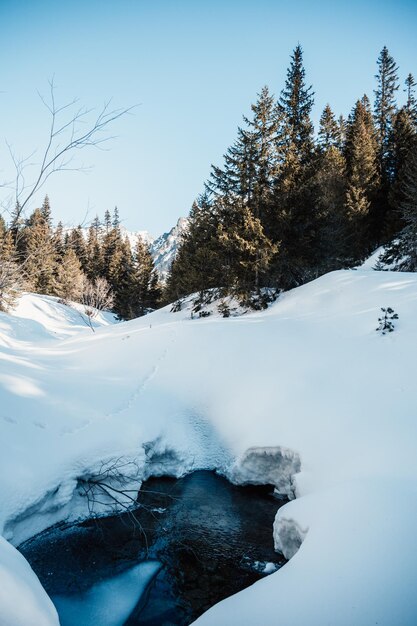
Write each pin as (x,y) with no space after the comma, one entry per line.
(199,538)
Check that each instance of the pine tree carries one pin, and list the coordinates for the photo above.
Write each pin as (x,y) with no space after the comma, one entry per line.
(76,242)
(46,211)
(404,133)
(111,247)
(94,253)
(342,131)
(263,128)
(329,130)
(198,265)
(385,109)
(244,242)
(122,280)
(296,103)
(411,104)
(3,229)
(58,241)
(362,178)
(68,284)
(294,225)
(11,280)
(116,218)
(16,226)
(107,221)
(238,175)
(40,255)
(146,289)
(403,252)
(328,192)
(384,115)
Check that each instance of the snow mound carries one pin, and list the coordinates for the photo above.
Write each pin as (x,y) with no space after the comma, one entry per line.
(268,465)
(23,602)
(37,318)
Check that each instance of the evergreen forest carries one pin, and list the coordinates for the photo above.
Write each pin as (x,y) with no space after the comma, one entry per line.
(287,205)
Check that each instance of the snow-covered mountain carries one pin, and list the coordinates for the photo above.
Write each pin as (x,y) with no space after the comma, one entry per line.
(163,248)
(306,396)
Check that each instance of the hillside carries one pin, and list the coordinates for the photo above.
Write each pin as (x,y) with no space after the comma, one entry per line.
(306,395)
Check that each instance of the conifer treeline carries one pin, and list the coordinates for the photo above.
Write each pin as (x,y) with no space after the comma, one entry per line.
(66,264)
(287,206)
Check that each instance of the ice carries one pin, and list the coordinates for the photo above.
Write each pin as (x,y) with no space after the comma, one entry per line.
(108,603)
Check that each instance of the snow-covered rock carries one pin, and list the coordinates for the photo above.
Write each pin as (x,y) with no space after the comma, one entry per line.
(165,247)
(306,396)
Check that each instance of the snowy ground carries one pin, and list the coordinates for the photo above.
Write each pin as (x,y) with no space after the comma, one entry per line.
(306,395)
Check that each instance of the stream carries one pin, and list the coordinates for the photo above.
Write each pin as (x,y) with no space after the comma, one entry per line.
(190,543)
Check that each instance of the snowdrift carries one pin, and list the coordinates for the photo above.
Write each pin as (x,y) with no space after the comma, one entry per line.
(306,395)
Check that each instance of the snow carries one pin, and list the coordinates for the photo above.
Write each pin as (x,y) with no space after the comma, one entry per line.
(22,599)
(306,396)
(110,602)
(41,318)
(164,248)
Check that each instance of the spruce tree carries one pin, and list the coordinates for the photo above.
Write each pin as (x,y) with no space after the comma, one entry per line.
(296,103)
(76,242)
(68,284)
(328,191)
(58,241)
(3,229)
(122,280)
(329,130)
(146,290)
(46,211)
(116,218)
(385,109)
(11,280)
(263,128)
(198,265)
(94,253)
(384,115)
(16,226)
(112,245)
(404,133)
(411,104)
(403,251)
(362,178)
(107,221)
(294,224)
(40,255)
(250,251)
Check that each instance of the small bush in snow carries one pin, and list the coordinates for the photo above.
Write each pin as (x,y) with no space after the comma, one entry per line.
(224,309)
(386,325)
(176,306)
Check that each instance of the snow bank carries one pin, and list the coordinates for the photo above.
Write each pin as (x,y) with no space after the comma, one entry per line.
(23,602)
(272,465)
(306,396)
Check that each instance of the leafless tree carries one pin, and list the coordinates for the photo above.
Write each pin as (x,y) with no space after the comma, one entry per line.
(71,128)
(110,491)
(96,296)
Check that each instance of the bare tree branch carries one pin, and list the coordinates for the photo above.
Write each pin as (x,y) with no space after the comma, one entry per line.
(71,128)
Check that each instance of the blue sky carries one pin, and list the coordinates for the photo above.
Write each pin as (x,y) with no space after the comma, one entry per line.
(193,68)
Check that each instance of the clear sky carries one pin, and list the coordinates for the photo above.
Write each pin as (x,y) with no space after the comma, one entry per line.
(194,67)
